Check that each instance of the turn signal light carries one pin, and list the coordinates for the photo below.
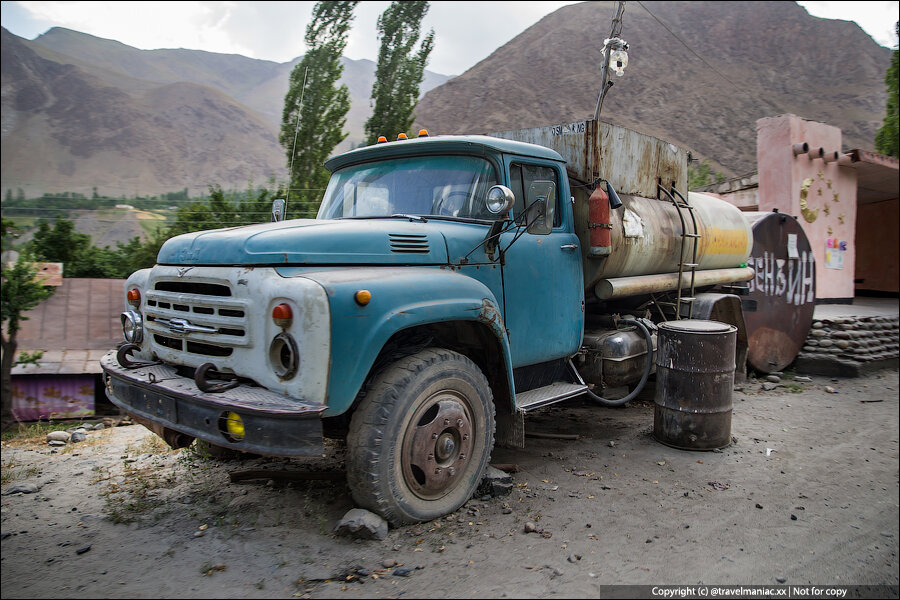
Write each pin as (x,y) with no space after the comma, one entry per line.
(363,297)
(134,297)
(423,133)
(282,315)
(401,136)
(381,139)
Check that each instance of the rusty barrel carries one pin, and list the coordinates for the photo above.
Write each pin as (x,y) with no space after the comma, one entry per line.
(694,384)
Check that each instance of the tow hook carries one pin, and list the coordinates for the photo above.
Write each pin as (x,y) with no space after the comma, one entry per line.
(207,371)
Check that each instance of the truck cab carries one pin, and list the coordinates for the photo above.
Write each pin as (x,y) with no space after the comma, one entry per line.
(440,284)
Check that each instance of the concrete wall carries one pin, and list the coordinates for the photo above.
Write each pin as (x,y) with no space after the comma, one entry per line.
(821,194)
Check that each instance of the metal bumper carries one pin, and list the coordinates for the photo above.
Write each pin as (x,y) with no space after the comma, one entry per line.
(166,402)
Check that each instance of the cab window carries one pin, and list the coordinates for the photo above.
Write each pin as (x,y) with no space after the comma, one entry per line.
(536,188)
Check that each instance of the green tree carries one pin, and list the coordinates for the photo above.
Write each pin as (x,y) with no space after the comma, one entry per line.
(315,107)
(400,69)
(886,140)
(19,293)
(59,243)
(702,174)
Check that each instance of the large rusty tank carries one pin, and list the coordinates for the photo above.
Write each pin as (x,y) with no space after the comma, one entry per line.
(653,232)
(780,301)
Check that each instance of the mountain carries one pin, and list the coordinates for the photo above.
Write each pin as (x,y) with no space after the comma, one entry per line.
(699,74)
(80,112)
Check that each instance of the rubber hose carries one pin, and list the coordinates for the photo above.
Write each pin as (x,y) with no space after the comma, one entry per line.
(640,386)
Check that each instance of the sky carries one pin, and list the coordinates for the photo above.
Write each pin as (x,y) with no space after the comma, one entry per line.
(465,32)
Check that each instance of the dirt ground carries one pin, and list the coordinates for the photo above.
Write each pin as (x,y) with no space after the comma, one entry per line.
(806,494)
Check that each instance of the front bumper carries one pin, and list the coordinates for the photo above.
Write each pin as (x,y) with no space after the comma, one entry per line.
(274,424)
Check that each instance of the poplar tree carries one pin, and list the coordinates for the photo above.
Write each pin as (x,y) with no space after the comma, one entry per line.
(310,131)
(886,141)
(400,69)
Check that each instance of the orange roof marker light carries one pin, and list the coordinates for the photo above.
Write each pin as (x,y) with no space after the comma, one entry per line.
(423,133)
(401,136)
(381,139)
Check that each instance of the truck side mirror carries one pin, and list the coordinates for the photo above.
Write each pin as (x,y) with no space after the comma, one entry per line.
(278,210)
(499,200)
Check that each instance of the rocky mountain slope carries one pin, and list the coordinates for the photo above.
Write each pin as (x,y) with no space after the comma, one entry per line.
(699,74)
(80,111)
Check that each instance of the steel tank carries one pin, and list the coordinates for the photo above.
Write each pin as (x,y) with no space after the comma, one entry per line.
(695,363)
(778,308)
(647,237)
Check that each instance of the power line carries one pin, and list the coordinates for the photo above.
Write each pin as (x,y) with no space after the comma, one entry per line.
(691,50)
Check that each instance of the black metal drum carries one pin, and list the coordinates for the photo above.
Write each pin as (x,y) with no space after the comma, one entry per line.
(694,384)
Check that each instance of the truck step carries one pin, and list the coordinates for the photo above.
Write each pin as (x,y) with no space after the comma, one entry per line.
(544,396)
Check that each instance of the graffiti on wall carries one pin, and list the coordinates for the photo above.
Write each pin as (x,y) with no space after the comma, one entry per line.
(792,278)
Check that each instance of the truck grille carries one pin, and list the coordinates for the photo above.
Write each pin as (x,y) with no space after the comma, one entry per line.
(203,319)
(409,243)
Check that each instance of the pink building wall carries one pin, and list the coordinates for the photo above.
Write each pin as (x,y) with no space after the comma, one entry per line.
(817,190)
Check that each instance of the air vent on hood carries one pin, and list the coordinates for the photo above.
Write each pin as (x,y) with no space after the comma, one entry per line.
(409,243)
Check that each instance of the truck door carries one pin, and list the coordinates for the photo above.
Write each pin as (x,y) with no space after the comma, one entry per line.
(542,276)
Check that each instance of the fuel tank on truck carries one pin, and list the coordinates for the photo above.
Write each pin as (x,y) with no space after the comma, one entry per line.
(649,236)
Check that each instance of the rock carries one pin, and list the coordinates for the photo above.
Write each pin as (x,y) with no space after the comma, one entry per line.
(769,386)
(803,379)
(530,527)
(22,488)
(58,436)
(78,436)
(83,549)
(56,443)
(402,571)
(362,524)
(495,483)
(388,563)
(781,579)
(773,378)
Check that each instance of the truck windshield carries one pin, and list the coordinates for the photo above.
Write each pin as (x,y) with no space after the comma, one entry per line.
(449,186)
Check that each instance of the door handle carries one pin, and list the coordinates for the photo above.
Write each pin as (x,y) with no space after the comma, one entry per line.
(569,247)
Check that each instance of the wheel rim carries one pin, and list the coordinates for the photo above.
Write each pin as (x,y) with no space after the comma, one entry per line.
(437,445)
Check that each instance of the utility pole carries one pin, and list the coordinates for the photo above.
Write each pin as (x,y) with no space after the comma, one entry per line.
(615,56)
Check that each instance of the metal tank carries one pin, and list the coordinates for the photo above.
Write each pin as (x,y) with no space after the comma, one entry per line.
(652,232)
(778,308)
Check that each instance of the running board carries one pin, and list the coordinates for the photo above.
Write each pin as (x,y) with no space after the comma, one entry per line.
(555,392)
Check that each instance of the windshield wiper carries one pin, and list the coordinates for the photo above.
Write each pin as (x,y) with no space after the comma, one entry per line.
(411,217)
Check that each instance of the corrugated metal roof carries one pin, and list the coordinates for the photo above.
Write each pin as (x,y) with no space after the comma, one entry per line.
(74,327)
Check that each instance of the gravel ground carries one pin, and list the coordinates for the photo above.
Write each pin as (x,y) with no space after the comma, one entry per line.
(806,494)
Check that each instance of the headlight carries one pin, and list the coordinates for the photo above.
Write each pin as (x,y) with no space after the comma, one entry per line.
(132,327)
(284,356)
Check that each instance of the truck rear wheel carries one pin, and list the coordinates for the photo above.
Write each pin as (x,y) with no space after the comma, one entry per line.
(421,438)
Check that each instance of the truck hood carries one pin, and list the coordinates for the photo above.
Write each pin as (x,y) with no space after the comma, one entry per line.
(311,242)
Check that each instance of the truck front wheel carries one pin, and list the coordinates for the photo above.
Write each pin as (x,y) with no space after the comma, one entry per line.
(421,437)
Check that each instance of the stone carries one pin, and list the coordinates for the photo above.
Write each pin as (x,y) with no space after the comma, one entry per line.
(362,524)
(773,378)
(58,436)
(495,483)
(78,436)
(22,488)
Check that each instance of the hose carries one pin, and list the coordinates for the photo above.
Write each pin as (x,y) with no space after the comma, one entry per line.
(640,386)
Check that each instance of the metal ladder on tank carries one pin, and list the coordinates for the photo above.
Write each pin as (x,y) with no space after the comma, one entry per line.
(694,236)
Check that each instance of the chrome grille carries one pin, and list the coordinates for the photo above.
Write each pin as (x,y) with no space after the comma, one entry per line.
(203,319)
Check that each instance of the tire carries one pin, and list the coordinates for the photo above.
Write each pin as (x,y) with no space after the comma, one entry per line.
(421,437)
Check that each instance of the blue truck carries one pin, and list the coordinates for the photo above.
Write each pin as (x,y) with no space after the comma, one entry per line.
(449,285)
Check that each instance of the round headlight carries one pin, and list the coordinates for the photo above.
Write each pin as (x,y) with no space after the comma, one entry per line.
(132,327)
(499,199)
(284,356)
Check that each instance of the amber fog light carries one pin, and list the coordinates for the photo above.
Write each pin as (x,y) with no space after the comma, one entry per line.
(132,327)
(231,426)
(284,356)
